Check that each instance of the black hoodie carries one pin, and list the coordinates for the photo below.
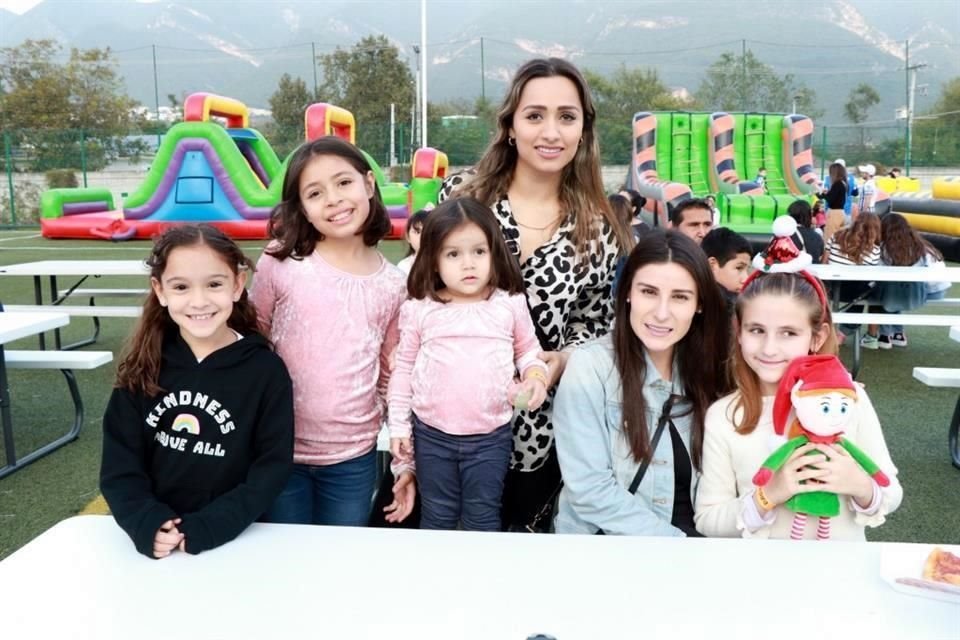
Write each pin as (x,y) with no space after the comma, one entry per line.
(215,449)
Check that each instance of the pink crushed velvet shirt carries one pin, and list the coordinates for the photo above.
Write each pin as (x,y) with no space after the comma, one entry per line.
(335,331)
(455,363)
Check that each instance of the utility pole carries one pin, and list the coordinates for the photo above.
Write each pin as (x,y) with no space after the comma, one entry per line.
(416,102)
(393,129)
(423,86)
(483,74)
(156,84)
(743,75)
(911,93)
(313,63)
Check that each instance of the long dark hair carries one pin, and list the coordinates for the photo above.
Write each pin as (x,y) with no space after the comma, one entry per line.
(701,355)
(902,245)
(859,239)
(414,222)
(139,369)
(295,236)
(748,406)
(581,185)
(424,281)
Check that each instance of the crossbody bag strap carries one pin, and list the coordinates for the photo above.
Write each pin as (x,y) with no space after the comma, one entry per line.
(661,423)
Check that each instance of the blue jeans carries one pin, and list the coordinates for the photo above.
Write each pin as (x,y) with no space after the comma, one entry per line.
(891,329)
(336,494)
(461,477)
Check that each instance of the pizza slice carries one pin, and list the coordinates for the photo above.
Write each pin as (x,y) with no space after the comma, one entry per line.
(942,566)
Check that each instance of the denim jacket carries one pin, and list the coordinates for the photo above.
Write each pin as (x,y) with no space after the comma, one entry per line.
(595,458)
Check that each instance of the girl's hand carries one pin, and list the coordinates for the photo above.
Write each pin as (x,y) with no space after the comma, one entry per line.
(404,497)
(536,392)
(556,362)
(785,483)
(167,538)
(844,476)
(401,449)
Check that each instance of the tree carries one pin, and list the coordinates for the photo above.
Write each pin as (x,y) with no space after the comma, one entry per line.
(288,104)
(617,99)
(744,83)
(936,135)
(63,108)
(366,80)
(859,102)
(464,136)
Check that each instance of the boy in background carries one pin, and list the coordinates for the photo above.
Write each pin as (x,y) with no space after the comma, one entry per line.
(729,255)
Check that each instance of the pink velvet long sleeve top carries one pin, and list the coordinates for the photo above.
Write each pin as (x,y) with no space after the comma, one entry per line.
(336,332)
(456,362)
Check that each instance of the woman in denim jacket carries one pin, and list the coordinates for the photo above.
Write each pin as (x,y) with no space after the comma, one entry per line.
(670,337)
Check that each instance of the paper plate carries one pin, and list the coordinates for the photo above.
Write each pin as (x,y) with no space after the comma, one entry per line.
(901,566)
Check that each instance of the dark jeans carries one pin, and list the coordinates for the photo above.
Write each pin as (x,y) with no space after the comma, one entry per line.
(461,477)
(336,494)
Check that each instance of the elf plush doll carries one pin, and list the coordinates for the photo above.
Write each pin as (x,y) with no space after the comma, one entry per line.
(815,402)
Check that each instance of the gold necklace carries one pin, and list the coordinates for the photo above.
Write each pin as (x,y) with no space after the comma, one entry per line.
(533,228)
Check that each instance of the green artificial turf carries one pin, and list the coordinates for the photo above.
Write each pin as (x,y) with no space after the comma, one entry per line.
(914,417)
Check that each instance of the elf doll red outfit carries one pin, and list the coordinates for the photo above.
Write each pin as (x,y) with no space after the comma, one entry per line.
(777,323)
(817,398)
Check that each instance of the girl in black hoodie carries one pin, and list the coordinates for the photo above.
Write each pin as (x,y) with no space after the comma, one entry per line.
(198,433)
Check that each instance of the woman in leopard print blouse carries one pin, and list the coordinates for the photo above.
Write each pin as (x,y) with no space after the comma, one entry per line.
(541,177)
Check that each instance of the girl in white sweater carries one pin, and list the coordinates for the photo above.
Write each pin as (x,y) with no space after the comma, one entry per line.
(779,317)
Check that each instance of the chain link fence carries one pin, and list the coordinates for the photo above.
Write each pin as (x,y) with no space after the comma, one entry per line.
(36,160)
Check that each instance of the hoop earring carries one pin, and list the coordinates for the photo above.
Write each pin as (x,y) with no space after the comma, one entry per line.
(511,141)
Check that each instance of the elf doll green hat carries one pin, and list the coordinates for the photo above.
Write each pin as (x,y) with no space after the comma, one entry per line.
(782,255)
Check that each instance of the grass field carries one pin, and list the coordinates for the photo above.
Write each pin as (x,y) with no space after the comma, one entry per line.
(914,417)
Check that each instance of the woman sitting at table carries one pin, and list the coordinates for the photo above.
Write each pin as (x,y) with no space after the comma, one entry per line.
(638,397)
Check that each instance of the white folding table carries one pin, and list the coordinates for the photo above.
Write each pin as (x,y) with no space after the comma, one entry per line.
(80,269)
(83,579)
(14,326)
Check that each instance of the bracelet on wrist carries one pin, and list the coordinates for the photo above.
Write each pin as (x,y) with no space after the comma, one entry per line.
(537,374)
(764,502)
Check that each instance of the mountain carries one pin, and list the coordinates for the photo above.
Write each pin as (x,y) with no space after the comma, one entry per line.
(241,49)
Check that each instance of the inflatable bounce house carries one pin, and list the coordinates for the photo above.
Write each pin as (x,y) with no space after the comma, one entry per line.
(228,176)
(679,155)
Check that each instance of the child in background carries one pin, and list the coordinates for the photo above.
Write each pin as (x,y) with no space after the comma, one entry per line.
(198,433)
(807,239)
(868,188)
(728,253)
(819,214)
(414,228)
(780,316)
(625,212)
(329,302)
(712,201)
(761,178)
(904,247)
(464,334)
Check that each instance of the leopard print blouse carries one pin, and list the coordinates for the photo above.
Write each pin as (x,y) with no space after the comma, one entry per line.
(570,302)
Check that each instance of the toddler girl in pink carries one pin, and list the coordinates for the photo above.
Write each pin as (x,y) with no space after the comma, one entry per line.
(464,334)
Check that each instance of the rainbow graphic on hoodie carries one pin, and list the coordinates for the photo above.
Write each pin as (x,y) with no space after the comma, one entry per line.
(186,422)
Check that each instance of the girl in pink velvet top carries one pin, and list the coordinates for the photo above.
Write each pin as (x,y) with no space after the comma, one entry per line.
(464,335)
(328,300)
